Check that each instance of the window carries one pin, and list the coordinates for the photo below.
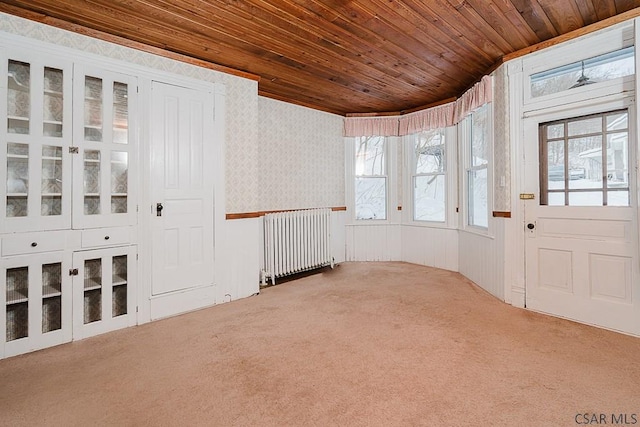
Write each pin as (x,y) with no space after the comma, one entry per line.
(429,180)
(600,68)
(370,178)
(584,161)
(478,154)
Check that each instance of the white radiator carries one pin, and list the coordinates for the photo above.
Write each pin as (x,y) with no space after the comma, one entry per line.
(296,241)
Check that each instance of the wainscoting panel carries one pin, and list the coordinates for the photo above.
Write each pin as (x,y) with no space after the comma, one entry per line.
(373,242)
(434,247)
(482,259)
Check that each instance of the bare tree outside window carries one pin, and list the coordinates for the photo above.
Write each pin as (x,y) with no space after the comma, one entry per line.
(429,183)
(371,178)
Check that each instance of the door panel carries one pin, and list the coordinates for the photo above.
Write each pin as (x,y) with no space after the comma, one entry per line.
(182,189)
(581,261)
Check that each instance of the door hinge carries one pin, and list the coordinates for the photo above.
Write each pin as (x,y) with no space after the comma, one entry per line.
(74,150)
(73,272)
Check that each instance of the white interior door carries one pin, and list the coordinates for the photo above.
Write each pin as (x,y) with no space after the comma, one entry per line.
(181,214)
(581,228)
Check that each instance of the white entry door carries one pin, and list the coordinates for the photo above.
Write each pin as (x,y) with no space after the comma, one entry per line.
(182,214)
(581,228)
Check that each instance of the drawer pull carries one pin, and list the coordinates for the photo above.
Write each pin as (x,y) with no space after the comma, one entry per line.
(34,244)
(106,237)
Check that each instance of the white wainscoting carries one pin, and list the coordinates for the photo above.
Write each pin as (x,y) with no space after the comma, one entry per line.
(433,247)
(481,258)
(338,233)
(238,260)
(373,242)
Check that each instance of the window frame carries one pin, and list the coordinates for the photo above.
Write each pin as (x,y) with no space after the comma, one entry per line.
(355,176)
(465,128)
(450,180)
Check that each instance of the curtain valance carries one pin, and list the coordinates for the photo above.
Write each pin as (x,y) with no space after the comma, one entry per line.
(430,118)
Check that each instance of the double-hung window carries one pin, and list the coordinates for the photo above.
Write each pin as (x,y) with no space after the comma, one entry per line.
(370,178)
(477,138)
(429,176)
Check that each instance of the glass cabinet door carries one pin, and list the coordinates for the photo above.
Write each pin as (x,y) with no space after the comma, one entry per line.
(104,131)
(104,297)
(35,301)
(35,141)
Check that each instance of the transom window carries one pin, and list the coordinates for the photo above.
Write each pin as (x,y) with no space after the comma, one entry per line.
(584,161)
(597,69)
(429,188)
(371,178)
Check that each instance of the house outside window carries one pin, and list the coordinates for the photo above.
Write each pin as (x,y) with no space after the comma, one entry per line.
(584,161)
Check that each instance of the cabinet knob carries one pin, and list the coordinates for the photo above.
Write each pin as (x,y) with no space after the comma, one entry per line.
(106,237)
(34,244)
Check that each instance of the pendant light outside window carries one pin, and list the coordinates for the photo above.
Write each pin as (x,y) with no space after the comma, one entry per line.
(582,80)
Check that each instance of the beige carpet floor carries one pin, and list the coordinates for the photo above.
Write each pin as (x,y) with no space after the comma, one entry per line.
(366,344)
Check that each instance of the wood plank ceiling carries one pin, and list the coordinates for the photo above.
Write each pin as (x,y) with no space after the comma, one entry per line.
(340,56)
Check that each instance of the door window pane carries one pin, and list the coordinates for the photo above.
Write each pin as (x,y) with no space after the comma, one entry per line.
(18,97)
(580,169)
(17,179)
(120,113)
(53,103)
(93,109)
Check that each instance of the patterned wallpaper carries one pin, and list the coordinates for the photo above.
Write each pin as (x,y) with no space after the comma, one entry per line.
(301,154)
(502,151)
(241,151)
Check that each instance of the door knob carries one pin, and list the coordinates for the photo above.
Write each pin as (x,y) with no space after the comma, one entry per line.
(159,208)
(531,226)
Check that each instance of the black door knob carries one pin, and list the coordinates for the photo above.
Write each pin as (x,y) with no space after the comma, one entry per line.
(530,226)
(159,208)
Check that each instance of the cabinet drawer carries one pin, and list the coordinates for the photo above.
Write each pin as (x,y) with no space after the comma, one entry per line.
(31,243)
(106,237)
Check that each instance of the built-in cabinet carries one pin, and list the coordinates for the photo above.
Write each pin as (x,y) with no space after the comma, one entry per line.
(68,201)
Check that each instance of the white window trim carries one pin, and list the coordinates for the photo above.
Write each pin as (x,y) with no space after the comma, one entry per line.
(464,131)
(451,181)
(391,173)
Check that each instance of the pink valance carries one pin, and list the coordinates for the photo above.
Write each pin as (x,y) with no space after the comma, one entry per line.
(431,118)
(371,126)
(480,94)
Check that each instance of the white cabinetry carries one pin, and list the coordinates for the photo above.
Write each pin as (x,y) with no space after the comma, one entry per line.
(67,200)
